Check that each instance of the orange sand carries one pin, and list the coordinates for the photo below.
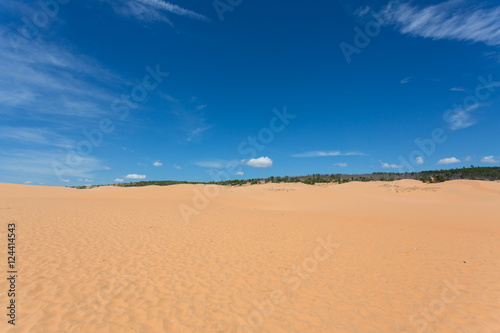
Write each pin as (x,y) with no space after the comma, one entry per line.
(391,257)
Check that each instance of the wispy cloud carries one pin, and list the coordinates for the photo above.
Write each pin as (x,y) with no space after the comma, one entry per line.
(191,121)
(40,79)
(449,160)
(447,20)
(457,89)
(362,11)
(157,164)
(326,153)
(17,163)
(419,160)
(406,80)
(34,136)
(214,164)
(168,97)
(461,118)
(154,10)
(196,132)
(342,165)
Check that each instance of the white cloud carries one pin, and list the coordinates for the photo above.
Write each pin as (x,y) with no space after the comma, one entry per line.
(38,136)
(446,20)
(449,160)
(326,153)
(489,159)
(135,176)
(240,173)
(342,165)
(261,162)
(492,85)
(457,89)
(468,159)
(391,166)
(191,122)
(119,180)
(419,160)
(60,91)
(362,11)
(216,164)
(405,80)
(154,10)
(194,133)
(177,167)
(169,7)
(157,164)
(65,180)
(18,164)
(169,97)
(28,182)
(107,168)
(460,118)
(51,80)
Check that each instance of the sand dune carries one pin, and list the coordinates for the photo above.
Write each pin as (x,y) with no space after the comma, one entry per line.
(359,257)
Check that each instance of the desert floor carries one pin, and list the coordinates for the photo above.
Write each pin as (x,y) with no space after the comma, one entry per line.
(359,257)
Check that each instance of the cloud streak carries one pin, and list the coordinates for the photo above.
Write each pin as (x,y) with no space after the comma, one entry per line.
(154,11)
(446,21)
(34,136)
(326,153)
(17,163)
(405,80)
(40,79)
(461,118)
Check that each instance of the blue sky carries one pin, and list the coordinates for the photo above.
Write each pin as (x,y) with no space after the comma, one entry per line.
(110,91)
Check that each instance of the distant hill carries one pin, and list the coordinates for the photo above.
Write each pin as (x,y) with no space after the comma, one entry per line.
(432,176)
